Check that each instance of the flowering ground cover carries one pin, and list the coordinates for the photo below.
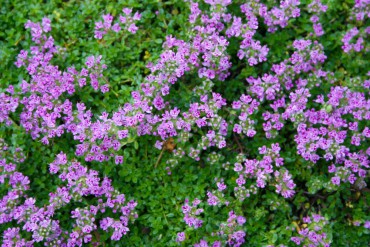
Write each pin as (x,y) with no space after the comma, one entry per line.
(185,123)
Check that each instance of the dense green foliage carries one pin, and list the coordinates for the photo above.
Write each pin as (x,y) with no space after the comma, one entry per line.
(160,196)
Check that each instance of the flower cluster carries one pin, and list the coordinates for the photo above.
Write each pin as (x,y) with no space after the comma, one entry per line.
(191,213)
(360,13)
(328,130)
(216,197)
(247,106)
(279,16)
(8,104)
(267,169)
(232,229)
(230,233)
(317,7)
(359,44)
(313,233)
(81,182)
(127,21)
(249,48)
(208,42)
(43,97)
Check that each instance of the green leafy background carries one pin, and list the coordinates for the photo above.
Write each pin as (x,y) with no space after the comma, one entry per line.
(159,195)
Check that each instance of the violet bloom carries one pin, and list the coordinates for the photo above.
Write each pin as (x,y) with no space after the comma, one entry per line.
(180,237)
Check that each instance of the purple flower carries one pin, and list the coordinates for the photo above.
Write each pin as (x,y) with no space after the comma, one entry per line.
(367,224)
(335,180)
(180,237)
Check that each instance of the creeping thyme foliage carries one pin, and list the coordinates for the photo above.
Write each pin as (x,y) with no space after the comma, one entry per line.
(187,123)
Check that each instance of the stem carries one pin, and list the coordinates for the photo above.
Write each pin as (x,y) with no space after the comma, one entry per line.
(115,93)
(164,214)
(106,80)
(16,43)
(14,122)
(239,144)
(159,158)
(124,81)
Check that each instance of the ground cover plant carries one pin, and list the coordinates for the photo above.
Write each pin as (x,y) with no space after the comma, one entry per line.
(185,123)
